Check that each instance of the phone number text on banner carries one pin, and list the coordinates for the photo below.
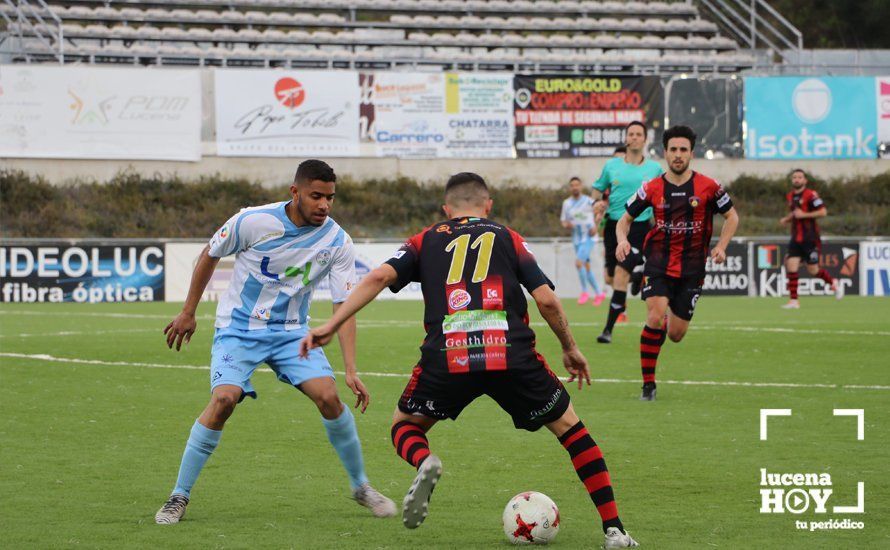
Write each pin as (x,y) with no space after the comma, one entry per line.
(581,116)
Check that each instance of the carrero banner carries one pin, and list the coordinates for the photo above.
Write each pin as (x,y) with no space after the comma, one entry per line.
(99,113)
(62,272)
(275,113)
(437,115)
(581,116)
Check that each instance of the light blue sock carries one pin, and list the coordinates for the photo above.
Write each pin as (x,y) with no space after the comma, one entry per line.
(593,282)
(344,437)
(582,278)
(202,441)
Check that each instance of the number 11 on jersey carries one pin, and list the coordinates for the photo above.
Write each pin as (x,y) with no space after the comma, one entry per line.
(460,246)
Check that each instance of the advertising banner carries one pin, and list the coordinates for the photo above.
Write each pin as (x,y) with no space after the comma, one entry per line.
(731,277)
(840,259)
(437,115)
(100,113)
(581,116)
(882,94)
(278,113)
(874,265)
(811,118)
(64,272)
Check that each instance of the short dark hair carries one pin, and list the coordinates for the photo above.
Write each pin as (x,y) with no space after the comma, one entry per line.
(573,178)
(639,123)
(620,149)
(314,169)
(801,170)
(679,132)
(466,187)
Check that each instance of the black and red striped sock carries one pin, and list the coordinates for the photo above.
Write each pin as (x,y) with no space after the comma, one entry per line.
(793,280)
(651,340)
(825,277)
(410,442)
(591,469)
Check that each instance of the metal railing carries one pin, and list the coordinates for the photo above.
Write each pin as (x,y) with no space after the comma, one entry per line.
(27,16)
(756,24)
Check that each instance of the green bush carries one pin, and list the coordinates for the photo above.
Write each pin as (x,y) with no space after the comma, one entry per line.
(130,205)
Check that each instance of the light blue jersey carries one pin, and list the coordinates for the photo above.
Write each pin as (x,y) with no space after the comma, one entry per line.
(265,311)
(579,212)
(277,267)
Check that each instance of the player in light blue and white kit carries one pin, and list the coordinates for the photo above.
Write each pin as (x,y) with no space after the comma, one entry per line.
(282,251)
(577,215)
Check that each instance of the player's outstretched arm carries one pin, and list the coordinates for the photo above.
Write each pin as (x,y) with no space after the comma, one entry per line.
(372,284)
(731,223)
(347,335)
(621,230)
(551,310)
(184,325)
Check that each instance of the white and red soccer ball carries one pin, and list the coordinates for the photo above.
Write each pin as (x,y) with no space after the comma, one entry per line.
(531,518)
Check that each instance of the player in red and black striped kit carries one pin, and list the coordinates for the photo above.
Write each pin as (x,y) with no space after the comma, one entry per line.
(676,249)
(804,207)
(478,342)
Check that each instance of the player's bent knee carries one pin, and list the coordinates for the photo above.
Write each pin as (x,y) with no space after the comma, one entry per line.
(564,422)
(676,336)
(224,402)
(328,403)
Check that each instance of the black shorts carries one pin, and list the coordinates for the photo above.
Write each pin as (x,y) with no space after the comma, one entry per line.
(682,293)
(807,250)
(635,236)
(532,396)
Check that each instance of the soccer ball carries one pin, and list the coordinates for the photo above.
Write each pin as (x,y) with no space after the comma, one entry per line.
(531,518)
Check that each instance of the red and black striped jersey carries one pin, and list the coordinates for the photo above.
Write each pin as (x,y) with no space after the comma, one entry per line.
(471,272)
(678,243)
(805,230)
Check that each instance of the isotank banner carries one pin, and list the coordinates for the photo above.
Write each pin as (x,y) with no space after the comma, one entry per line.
(811,118)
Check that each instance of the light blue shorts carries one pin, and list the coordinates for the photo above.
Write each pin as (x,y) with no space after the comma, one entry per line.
(583,249)
(237,353)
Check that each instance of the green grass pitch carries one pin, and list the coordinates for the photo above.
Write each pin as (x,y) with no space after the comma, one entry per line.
(89,448)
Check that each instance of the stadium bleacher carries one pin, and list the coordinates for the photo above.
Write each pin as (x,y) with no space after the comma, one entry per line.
(453,34)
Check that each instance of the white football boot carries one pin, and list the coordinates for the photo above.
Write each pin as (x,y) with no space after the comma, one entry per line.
(415,507)
(616,539)
(372,499)
(172,510)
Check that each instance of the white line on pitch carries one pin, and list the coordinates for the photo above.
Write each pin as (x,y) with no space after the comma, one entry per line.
(387,323)
(79,333)
(53,359)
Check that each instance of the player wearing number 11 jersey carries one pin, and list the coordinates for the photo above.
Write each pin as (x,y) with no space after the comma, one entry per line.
(478,342)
